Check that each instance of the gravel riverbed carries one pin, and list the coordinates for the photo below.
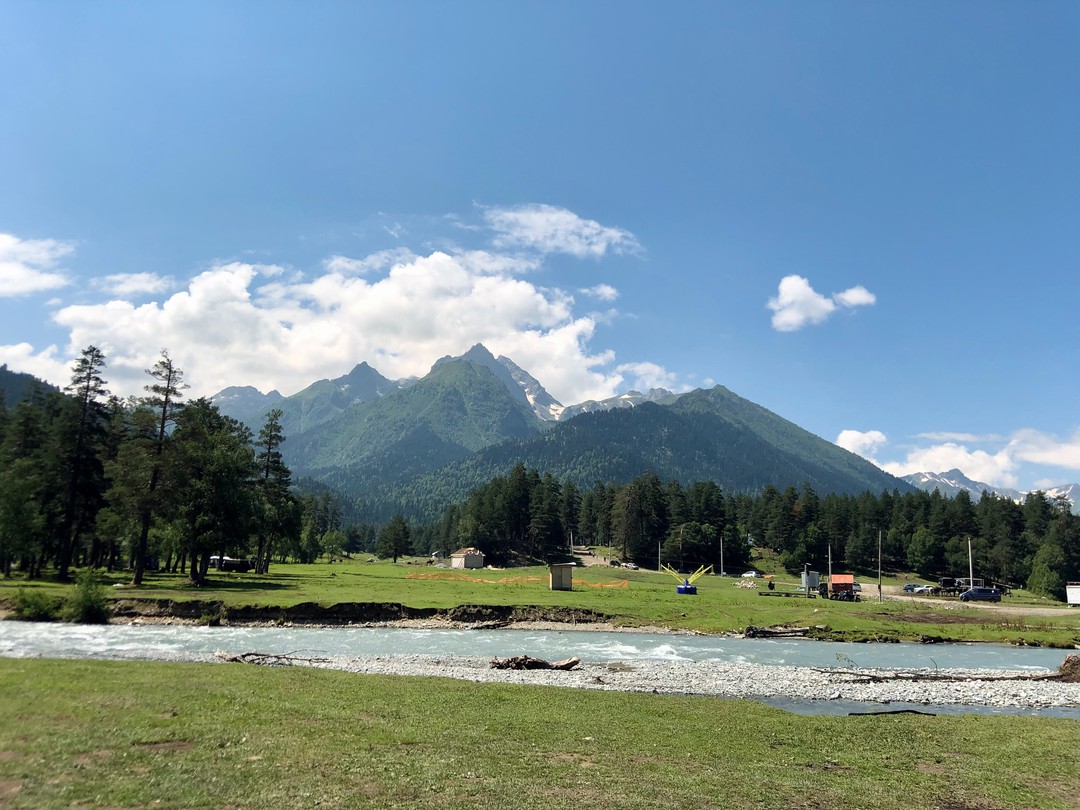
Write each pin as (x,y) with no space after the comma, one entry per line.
(964,687)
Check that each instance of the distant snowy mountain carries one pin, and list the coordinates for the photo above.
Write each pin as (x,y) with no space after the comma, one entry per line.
(324,399)
(544,404)
(1071,492)
(953,481)
(659,396)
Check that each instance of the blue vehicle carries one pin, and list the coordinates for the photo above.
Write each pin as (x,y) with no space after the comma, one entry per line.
(981,595)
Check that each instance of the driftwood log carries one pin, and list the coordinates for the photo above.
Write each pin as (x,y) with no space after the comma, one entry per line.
(775,632)
(527,662)
(269,659)
(859,676)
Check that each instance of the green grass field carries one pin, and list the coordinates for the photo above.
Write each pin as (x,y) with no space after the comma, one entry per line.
(142,735)
(648,598)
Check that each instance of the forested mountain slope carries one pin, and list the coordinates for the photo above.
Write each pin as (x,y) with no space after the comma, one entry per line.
(457,409)
(708,435)
(15,386)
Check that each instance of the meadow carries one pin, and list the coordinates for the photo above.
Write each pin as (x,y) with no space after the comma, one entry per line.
(627,598)
(139,735)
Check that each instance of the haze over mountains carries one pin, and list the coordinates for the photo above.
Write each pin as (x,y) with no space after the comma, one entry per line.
(422,444)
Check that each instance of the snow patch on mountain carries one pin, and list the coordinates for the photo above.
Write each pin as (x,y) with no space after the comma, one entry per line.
(952,482)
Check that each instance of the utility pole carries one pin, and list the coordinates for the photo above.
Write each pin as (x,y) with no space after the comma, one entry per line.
(879,596)
(971,566)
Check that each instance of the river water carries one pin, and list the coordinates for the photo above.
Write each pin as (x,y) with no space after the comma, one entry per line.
(29,639)
(170,642)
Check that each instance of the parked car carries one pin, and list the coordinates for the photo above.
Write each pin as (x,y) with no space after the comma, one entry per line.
(910,587)
(751,574)
(231,564)
(925,589)
(981,595)
(631,566)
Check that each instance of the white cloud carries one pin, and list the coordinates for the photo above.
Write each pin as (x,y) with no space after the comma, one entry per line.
(45,364)
(1039,448)
(345,266)
(797,304)
(855,297)
(948,436)
(130,284)
(997,469)
(551,229)
(28,265)
(644,376)
(601,292)
(240,324)
(862,443)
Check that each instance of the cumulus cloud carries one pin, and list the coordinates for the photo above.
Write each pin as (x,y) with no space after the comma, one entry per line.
(862,443)
(131,284)
(797,304)
(46,364)
(644,376)
(855,297)
(1040,448)
(601,292)
(381,260)
(994,468)
(551,229)
(997,466)
(239,323)
(29,265)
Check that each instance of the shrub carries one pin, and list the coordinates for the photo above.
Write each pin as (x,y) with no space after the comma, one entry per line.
(88,604)
(33,605)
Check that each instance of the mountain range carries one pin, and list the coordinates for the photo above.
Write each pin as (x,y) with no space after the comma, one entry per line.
(952,482)
(420,444)
(417,445)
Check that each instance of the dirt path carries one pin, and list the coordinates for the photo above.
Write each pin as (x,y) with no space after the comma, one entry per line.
(896,593)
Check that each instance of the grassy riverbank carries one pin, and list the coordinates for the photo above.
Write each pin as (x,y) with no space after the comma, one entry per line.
(122,734)
(630,598)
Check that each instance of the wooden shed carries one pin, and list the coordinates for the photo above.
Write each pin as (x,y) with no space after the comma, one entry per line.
(467,558)
(561,576)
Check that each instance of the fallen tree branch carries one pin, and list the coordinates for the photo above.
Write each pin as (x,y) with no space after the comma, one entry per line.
(269,659)
(775,632)
(859,676)
(526,662)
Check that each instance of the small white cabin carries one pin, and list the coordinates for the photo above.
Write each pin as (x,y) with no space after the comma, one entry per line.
(467,558)
(1072,593)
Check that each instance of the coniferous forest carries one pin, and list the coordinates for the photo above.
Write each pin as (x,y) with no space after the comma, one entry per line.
(87,479)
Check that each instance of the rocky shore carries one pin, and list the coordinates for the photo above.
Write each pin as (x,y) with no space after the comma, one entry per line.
(993,688)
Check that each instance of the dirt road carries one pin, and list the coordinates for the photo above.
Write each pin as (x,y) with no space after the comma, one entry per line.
(896,593)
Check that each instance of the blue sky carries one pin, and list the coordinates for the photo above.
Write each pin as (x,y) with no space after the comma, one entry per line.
(863,216)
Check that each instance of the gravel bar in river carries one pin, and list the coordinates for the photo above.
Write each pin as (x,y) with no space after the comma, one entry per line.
(743,680)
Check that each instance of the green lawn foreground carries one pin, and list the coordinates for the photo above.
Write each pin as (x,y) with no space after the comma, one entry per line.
(141,735)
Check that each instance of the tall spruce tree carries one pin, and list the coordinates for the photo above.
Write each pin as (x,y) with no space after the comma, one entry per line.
(276,505)
(163,401)
(83,463)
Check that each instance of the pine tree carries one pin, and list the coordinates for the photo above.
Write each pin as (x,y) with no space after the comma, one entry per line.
(163,402)
(84,438)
